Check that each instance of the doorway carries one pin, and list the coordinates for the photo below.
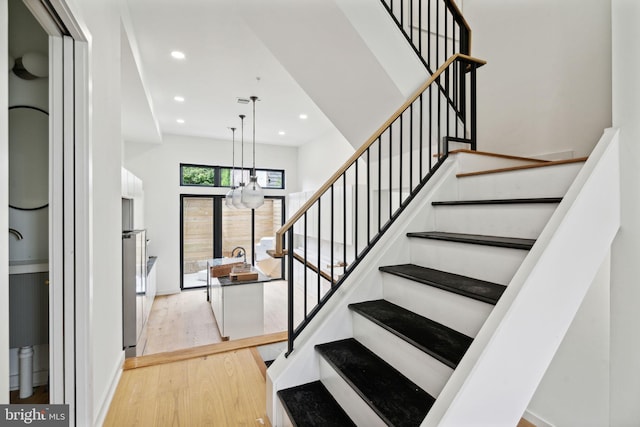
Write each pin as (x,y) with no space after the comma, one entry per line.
(66,209)
(28,146)
(210,229)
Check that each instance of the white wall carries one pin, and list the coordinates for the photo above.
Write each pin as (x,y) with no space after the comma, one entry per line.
(625,292)
(546,87)
(159,168)
(319,159)
(575,388)
(102,20)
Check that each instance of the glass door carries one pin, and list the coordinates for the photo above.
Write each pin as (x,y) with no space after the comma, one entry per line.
(210,229)
(197,235)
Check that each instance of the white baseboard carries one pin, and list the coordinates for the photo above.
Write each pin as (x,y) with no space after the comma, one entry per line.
(536,420)
(104,408)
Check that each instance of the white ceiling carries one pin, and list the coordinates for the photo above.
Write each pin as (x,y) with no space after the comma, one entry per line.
(223,61)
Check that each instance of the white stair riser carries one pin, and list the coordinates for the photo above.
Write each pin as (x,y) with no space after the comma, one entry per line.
(428,373)
(468,162)
(347,398)
(482,262)
(517,220)
(458,312)
(552,181)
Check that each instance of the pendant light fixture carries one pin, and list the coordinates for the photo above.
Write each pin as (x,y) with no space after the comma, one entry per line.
(228,199)
(237,192)
(252,194)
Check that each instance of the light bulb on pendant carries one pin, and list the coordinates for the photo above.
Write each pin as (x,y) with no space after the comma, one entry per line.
(252,194)
(228,199)
(236,197)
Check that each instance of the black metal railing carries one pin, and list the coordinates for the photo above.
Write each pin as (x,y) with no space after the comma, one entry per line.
(335,228)
(435,28)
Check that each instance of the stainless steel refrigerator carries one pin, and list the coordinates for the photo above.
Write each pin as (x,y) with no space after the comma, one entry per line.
(134,287)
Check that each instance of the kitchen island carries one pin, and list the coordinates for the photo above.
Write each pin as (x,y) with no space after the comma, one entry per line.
(238,306)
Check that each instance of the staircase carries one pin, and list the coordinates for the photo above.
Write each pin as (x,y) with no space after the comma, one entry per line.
(417,276)
(405,346)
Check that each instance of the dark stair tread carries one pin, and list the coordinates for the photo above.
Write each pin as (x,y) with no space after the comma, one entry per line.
(467,286)
(443,343)
(477,239)
(394,397)
(498,201)
(312,405)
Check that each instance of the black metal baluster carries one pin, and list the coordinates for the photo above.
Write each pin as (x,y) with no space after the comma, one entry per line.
(430,126)
(290,302)
(410,148)
(355,220)
(331,257)
(473,107)
(390,172)
(379,184)
(421,138)
(402,14)
(429,34)
(401,131)
(411,20)
(368,196)
(437,64)
(304,269)
(344,221)
(319,248)
(420,28)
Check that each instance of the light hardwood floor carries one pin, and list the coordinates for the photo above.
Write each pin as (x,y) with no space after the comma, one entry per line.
(226,389)
(185,320)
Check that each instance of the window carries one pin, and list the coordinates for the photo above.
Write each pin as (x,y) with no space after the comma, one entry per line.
(220,176)
(198,175)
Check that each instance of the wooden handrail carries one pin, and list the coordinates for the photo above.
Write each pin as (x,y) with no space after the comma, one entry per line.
(456,10)
(359,152)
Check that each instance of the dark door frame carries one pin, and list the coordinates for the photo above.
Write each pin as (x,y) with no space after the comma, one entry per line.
(218,200)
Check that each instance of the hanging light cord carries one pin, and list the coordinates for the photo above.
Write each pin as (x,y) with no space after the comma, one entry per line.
(254,99)
(242,116)
(233,156)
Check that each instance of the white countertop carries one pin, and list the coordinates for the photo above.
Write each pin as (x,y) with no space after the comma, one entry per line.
(28,266)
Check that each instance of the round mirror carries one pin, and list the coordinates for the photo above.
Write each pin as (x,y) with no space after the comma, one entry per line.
(28,157)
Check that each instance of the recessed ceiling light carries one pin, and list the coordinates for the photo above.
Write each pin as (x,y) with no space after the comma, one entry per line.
(181,121)
(177,54)
(281,132)
(303,116)
(178,98)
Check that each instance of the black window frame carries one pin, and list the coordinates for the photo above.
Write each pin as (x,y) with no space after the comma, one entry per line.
(217,175)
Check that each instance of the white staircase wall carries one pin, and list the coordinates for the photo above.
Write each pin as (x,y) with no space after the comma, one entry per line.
(491,385)
(322,49)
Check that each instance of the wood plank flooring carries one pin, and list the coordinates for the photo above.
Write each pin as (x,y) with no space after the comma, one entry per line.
(179,321)
(185,320)
(226,389)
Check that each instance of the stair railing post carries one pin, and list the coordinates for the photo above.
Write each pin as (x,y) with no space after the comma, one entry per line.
(474,138)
